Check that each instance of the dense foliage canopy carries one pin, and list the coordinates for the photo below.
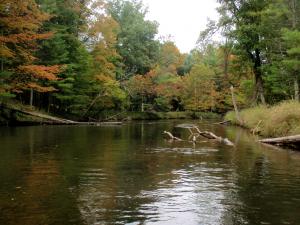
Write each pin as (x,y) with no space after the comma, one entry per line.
(83,57)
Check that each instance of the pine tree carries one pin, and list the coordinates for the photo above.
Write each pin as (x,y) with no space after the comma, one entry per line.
(68,23)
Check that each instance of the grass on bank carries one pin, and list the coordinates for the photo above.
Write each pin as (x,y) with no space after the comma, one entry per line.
(276,121)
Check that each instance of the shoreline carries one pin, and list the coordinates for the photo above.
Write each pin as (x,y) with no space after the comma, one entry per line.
(270,122)
(17,117)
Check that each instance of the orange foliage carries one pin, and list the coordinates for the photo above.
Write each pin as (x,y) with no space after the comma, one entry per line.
(20,22)
(40,72)
(30,77)
(141,85)
(170,57)
(21,15)
(25,37)
(40,88)
(169,89)
(20,30)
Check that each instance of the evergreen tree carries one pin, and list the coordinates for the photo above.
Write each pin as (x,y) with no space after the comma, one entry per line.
(69,25)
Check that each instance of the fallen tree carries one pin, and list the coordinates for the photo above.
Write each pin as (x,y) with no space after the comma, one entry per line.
(196,133)
(225,122)
(212,136)
(283,141)
(52,120)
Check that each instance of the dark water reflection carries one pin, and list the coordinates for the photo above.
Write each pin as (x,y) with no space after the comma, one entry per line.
(129,175)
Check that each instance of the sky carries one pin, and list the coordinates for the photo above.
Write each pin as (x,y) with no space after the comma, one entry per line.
(182,19)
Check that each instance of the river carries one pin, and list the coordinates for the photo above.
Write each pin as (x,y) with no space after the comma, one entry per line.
(130,175)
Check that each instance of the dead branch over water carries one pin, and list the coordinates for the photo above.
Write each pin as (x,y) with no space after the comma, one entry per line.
(196,133)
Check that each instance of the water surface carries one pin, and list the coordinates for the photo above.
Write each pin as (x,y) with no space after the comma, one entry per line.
(130,175)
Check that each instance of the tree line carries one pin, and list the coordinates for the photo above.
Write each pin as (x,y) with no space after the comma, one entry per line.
(264,37)
(83,57)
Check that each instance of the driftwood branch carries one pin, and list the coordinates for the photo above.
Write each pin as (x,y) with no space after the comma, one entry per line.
(225,122)
(171,136)
(212,136)
(196,132)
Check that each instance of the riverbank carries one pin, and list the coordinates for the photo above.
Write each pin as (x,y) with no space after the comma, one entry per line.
(165,115)
(275,121)
(18,115)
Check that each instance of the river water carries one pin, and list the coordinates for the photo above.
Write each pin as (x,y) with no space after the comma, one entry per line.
(130,175)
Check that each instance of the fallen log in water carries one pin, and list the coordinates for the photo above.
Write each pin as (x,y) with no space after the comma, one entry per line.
(53,120)
(289,140)
(225,122)
(99,123)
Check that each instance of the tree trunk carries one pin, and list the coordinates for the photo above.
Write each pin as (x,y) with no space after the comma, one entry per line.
(142,106)
(31,97)
(49,103)
(259,87)
(2,59)
(282,140)
(237,114)
(2,65)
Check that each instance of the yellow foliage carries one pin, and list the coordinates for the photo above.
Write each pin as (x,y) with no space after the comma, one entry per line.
(170,57)
(199,89)
(104,52)
(5,52)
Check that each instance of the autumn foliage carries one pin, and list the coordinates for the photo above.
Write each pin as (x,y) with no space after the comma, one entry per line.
(40,72)
(72,56)
(20,24)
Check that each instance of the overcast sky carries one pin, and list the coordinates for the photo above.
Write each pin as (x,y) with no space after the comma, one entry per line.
(182,19)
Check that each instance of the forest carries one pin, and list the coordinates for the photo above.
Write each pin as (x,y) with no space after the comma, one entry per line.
(81,58)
